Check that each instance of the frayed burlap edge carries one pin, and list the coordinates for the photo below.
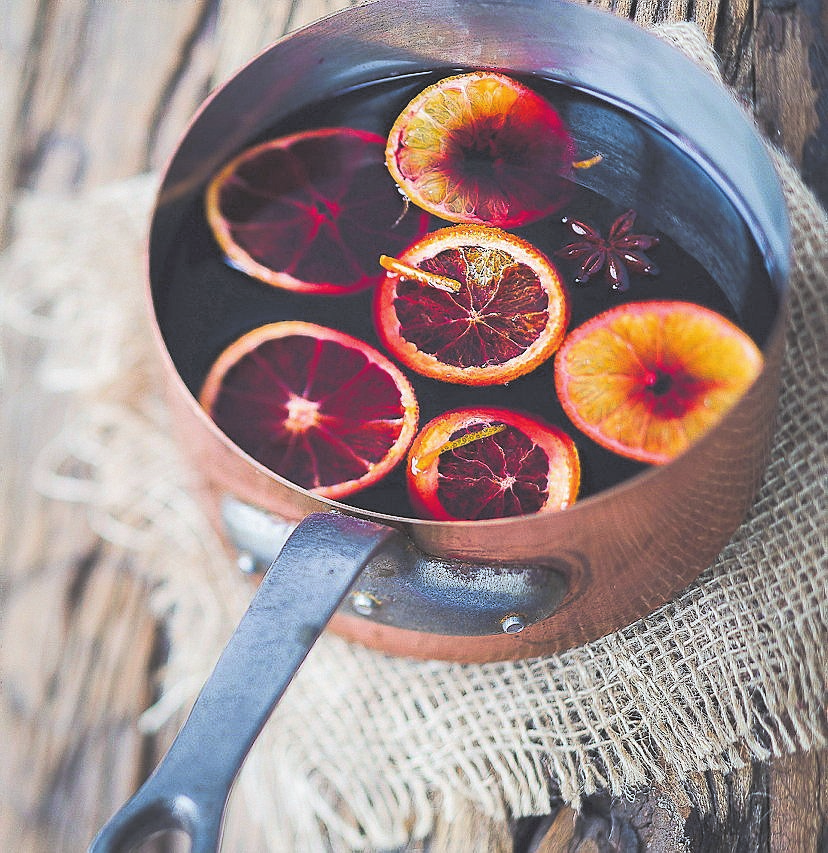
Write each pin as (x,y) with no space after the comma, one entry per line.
(365,747)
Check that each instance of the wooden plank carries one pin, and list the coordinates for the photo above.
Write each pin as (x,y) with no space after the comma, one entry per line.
(93,85)
(791,68)
(77,647)
(77,642)
(649,12)
(245,27)
(799,803)
(733,41)
(714,813)
(18,63)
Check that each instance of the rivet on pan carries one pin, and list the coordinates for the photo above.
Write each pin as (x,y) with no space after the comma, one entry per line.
(364,603)
(246,562)
(514,623)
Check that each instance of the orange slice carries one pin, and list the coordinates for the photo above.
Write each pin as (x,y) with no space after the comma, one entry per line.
(647,379)
(310,211)
(508,314)
(482,147)
(322,409)
(491,463)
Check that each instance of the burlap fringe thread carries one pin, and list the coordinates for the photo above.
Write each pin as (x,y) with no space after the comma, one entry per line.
(365,747)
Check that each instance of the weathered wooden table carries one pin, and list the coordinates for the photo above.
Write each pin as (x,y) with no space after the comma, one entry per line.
(96,90)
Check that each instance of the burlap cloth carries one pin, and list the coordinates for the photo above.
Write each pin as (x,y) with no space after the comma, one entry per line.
(365,747)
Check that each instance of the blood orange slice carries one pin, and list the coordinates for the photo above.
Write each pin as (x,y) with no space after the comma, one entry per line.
(507,316)
(322,409)
(491,463)
(310,211)
(647,379)
(482,147)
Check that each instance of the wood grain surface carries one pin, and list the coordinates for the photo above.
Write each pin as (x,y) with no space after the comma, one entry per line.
(96,90)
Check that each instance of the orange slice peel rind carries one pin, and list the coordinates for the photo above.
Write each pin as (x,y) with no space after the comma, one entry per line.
(472,464)
(482,147)
(647,379)
(310,211)
(316,406)
(509,315)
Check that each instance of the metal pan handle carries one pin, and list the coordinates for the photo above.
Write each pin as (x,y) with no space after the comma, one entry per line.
(188,790)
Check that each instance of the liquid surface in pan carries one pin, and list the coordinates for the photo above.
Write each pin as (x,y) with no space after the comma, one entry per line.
(704,255)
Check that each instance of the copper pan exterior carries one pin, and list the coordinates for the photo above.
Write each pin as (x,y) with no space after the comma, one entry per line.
(625,551)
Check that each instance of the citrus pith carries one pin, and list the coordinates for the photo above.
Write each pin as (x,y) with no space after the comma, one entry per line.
(647,379)
(507,317)
(491,463)
(314,405)
(482,147)
(310,211)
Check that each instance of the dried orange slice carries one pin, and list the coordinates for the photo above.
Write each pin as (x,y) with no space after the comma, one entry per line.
(647,379)
(482,147)
(322,409)
(508,315)
(491,463)
(310,211)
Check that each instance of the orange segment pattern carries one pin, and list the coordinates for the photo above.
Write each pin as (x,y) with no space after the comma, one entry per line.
(648,379)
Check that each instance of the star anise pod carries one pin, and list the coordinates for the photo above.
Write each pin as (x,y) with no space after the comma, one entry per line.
(619,253)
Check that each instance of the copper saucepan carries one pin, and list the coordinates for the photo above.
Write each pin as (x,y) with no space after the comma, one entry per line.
(481,590)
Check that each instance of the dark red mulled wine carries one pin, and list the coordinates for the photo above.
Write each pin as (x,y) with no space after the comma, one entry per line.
(705,254)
